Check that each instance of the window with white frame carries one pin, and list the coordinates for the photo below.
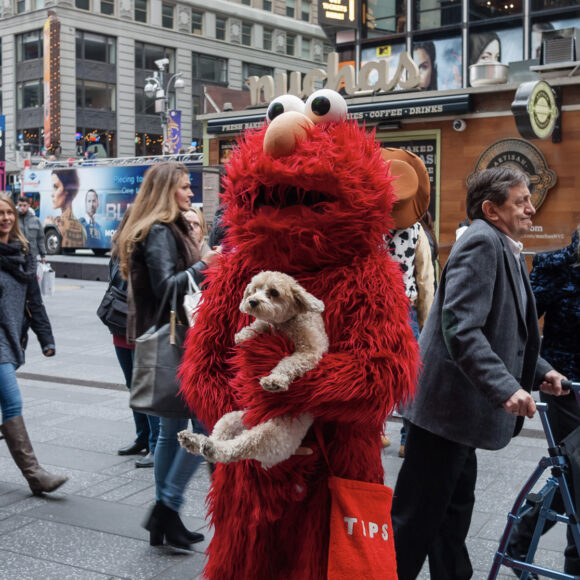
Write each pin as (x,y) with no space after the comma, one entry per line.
(267,39)
(140,13)
(83,4)
(108,7)
(29,94)
(305,11)
(306,43)
(267,5)
(196,22)
(290,8)
(290,44)
(246,34)
(167,15)
(221,25)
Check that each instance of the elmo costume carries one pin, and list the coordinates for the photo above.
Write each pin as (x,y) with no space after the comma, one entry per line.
(313,200)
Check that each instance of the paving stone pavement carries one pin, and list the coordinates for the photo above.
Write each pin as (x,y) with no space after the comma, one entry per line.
(76,410)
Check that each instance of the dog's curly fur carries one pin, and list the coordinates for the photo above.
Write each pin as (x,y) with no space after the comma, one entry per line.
(277,301)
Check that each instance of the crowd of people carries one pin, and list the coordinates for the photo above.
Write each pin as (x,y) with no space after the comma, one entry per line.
(479,337)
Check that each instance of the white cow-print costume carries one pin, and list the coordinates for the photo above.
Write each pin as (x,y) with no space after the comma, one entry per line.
(402,247)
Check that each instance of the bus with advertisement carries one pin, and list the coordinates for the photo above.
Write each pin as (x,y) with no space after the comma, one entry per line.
(80,204)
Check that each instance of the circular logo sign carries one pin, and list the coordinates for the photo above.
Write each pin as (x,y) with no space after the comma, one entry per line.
(522,155)
(535,110)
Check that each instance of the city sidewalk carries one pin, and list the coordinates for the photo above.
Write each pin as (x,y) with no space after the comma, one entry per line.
(76,410)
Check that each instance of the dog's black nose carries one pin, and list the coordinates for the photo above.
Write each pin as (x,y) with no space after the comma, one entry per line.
(253,303)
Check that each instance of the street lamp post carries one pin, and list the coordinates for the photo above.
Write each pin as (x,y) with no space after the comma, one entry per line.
(155,87)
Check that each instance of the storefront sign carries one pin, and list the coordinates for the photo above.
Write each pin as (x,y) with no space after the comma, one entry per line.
(367,112)
(406,76)
(535,110)
(524,156)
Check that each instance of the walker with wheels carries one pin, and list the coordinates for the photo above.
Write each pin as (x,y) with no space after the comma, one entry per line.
(560,464)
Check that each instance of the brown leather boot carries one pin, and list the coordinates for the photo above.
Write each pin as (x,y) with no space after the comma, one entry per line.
(21,450)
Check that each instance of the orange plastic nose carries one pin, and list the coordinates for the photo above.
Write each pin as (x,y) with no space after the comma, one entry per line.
(284,132)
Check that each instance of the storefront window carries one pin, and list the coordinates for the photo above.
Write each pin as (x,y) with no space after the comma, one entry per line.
(439,63)
(92,143)
(95,95)
(148,144)
(29,46)
(29,94)
(147,54)
(95,47)
(503,46)
(549,4)
(436,13)
(209,68)
(484,9)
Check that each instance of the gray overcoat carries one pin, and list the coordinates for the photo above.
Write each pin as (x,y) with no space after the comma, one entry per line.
(478,345)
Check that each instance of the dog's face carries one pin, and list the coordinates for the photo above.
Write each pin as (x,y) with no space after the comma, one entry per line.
(276,298)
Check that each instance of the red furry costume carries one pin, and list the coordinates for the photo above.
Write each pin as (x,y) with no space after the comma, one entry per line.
(317,214)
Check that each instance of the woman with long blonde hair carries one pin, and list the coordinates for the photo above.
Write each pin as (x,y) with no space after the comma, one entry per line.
(156,252)
(20,306)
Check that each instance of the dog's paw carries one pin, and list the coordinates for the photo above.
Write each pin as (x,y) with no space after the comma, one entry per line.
(192,442)
(242,335)
(274,382)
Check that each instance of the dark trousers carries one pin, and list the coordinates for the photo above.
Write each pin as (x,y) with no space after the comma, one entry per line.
(432,506)
(146,426)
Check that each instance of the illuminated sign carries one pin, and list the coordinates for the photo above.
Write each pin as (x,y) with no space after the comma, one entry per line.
(51,81)
(337,13)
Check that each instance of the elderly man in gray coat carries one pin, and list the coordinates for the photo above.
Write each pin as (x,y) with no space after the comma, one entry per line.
(480,351)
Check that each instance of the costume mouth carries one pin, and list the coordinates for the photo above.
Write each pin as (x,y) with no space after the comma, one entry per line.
(283,197)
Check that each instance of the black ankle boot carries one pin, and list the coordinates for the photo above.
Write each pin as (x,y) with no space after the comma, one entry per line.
(164,522)
(193,537)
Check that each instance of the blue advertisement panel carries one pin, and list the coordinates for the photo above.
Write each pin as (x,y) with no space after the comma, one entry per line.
(86,204)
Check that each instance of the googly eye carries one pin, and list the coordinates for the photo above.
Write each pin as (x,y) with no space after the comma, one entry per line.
(325,106)
(283,104)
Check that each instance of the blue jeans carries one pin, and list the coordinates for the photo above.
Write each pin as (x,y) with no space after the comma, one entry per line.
(146,426)
(414,323)
(174,466)
(10,397)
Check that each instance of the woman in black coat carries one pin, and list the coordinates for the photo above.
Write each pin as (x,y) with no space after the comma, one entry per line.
(20,307)
(157,252)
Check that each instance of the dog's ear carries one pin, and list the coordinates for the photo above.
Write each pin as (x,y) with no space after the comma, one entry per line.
(305,300)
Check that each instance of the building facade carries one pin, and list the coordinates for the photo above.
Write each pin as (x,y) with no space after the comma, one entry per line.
(92,63)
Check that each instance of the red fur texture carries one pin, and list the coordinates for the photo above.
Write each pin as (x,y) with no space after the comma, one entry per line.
(318,215)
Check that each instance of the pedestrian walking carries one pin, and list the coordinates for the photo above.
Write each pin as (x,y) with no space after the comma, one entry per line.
(20,308)
(157,252)
(480,348)
(31,228)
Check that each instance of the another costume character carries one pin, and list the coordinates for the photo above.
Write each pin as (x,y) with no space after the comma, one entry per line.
(312,199)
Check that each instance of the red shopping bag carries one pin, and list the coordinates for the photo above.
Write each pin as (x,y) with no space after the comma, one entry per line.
(361,535)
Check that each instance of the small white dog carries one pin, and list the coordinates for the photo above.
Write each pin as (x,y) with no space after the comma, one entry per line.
(278,302)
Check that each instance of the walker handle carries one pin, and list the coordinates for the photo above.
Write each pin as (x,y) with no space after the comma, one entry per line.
(571,385)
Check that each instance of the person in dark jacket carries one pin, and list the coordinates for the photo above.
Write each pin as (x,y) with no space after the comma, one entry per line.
(555,280)
(31,228)
(20,307)
(146,426)
(157,252)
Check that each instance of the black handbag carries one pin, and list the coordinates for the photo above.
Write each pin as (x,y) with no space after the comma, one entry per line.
(113,307)
(158,354)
